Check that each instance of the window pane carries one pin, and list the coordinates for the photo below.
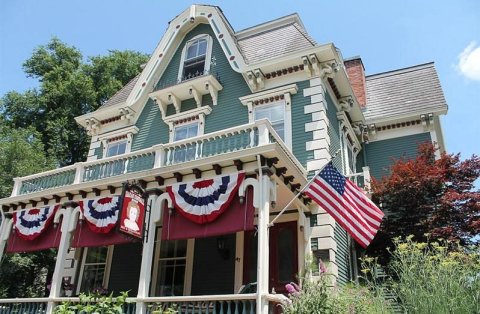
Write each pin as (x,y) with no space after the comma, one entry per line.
(92,277)
(202,47)
(192,130)
(181,133)
(275,114)
(96,255)
(112,150)
(122,148)
(191,51)
(116,148)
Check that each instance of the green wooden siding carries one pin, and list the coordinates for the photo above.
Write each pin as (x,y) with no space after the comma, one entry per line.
(334,132)
(151,128)
(299,119)
(342,256)
(381,154)
(99,152)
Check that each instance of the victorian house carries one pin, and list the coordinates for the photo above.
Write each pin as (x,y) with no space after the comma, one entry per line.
(220,131)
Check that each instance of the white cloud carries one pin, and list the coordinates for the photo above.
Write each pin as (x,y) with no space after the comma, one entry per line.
(469,61)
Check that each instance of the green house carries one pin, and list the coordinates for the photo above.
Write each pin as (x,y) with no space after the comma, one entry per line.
(239,119)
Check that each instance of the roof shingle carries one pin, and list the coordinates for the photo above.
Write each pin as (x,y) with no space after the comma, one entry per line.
(274,43)
(122,94)
(404,92)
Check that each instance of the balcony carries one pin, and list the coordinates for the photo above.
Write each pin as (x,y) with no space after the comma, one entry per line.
(237,143)
(195,87)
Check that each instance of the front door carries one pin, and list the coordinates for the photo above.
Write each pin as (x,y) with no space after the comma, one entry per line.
(283,256)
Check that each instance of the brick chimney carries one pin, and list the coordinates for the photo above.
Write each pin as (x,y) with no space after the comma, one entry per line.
(356,75)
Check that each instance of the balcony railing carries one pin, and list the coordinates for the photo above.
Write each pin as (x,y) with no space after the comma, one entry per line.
(218,143)
(168,83)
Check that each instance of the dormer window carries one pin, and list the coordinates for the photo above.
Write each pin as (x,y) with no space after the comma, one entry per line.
(196,57)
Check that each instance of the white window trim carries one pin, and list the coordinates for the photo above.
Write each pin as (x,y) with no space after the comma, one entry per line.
(208,55)
(129,132)
(187,284)
(107,148)
(108,264)
(286,91)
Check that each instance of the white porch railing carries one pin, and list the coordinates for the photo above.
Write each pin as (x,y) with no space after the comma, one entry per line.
(213,144)
(219,304)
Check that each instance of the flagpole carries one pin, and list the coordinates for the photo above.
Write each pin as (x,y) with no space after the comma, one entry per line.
(302,190)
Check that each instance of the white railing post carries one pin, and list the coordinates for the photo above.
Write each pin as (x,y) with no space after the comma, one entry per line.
(79,171)
(66,230)
(5,230)
(159,156)
(147,255)
(366,178)
(16,186)
(263,244)
(263,133)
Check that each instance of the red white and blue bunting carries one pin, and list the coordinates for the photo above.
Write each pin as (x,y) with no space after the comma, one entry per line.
(203,201)
(30,223)
(101,214)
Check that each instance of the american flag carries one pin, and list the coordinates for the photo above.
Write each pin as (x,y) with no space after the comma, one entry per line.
(346,203)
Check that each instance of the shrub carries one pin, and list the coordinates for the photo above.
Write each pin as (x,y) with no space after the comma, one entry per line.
(436,277)
(94,303)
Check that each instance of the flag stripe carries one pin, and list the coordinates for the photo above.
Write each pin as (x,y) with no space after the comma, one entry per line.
(340,204)
(339,218)
(370,206)
(372,221)
(346,203)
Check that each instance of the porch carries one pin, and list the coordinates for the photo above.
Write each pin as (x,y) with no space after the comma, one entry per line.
(273,174)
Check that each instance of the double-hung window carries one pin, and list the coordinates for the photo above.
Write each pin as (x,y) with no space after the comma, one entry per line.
(94,272)
(275,113)
(195,58)
(183,132)
(171,265)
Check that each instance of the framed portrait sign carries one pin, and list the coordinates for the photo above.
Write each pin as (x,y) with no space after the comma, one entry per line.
(132,215)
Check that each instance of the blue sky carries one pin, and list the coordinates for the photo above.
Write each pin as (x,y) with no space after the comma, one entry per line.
(387,35)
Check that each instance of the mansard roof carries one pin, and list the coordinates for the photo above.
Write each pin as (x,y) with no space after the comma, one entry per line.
(275,42)
(404,93)
(122,95)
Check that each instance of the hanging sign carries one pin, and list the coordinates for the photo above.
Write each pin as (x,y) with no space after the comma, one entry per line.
(133,211)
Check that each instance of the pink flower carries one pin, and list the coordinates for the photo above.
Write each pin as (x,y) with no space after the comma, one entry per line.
(292,288)
(323,268)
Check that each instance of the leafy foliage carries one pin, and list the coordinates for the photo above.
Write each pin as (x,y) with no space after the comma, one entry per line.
(69,87)
(429,196)
(94,303)
(433,277)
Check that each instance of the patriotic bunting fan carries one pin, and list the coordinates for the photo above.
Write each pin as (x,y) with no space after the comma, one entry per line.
(101,214)
(203,201)
(30,223)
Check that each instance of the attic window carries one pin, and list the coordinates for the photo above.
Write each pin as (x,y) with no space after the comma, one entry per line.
(196,58)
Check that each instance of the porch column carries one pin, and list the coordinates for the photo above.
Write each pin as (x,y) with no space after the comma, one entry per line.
(147,252)
(67,228)
(5,230)
(263,243)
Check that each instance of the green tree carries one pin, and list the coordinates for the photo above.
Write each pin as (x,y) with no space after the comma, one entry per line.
(69,87)
(22,153)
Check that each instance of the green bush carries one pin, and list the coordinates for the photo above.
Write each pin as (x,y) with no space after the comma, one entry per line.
(436,277)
